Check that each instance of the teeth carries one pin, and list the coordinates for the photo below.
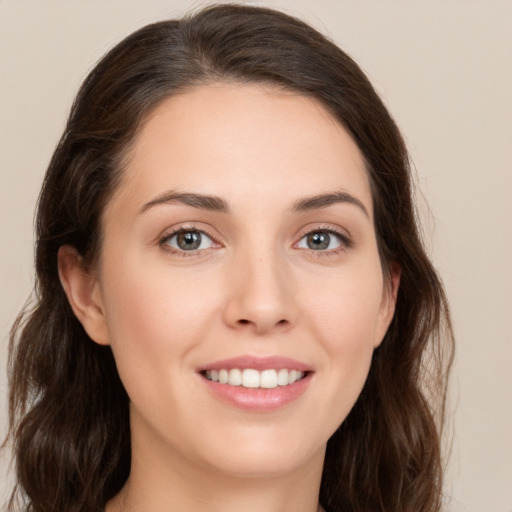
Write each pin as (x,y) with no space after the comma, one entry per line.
(282,377)
(250,378)
(268,379)
(235,377)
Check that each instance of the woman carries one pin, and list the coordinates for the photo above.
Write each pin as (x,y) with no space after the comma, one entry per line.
(234,309)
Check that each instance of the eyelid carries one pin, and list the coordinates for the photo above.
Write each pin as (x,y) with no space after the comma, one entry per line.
(342,234)
(175,230)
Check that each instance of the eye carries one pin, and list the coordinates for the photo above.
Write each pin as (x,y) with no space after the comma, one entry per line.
(322,240)
(188,240)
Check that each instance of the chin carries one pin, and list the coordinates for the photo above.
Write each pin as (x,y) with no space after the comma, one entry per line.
(263,456)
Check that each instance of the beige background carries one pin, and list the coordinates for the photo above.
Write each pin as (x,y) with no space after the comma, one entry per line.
(444,70)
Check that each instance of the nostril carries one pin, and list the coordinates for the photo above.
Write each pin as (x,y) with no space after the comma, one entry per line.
(262,325)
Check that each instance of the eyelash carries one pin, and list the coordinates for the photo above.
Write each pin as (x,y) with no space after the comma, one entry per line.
(163,242)
(343,237)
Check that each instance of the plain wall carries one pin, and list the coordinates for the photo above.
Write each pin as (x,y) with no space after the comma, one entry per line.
(444,70)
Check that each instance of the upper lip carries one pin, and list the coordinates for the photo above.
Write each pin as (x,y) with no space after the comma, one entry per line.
(258,363)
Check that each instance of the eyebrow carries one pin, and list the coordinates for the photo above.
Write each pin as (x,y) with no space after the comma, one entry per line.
(324,200)
(205,202)
(217,204)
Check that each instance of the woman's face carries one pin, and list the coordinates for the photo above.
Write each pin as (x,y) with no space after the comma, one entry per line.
(241,238)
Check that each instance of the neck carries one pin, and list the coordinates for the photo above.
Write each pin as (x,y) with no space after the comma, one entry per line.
(238,495)
(164,482)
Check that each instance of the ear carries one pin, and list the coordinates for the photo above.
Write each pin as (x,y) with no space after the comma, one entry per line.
(388,303)
(84,294)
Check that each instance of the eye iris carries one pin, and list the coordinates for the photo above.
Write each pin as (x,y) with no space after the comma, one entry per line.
(318,241)
(189,240)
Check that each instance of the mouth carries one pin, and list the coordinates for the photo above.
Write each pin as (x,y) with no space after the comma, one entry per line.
(251,378)
(257,384)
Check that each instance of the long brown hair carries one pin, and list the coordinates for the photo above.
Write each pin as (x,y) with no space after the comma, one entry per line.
(69,419)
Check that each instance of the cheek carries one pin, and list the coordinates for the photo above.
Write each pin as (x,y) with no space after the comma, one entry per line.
(346,309)
(155,319)
(343,319)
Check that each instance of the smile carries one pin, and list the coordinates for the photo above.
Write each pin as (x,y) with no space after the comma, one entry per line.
(251,378)
(257,384)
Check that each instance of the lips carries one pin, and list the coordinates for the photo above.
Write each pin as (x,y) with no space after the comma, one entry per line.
(255,383)
(259,363)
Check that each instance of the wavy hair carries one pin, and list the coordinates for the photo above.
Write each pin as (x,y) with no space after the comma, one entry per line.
(69,420)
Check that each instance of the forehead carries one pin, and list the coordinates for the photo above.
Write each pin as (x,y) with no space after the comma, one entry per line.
(242,141)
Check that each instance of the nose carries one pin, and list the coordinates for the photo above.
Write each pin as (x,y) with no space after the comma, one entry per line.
(260,295)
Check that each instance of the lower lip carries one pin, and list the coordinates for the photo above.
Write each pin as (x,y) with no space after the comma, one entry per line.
(259,400)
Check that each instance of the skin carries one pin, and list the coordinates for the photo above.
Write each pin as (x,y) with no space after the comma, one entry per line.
(255,287)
